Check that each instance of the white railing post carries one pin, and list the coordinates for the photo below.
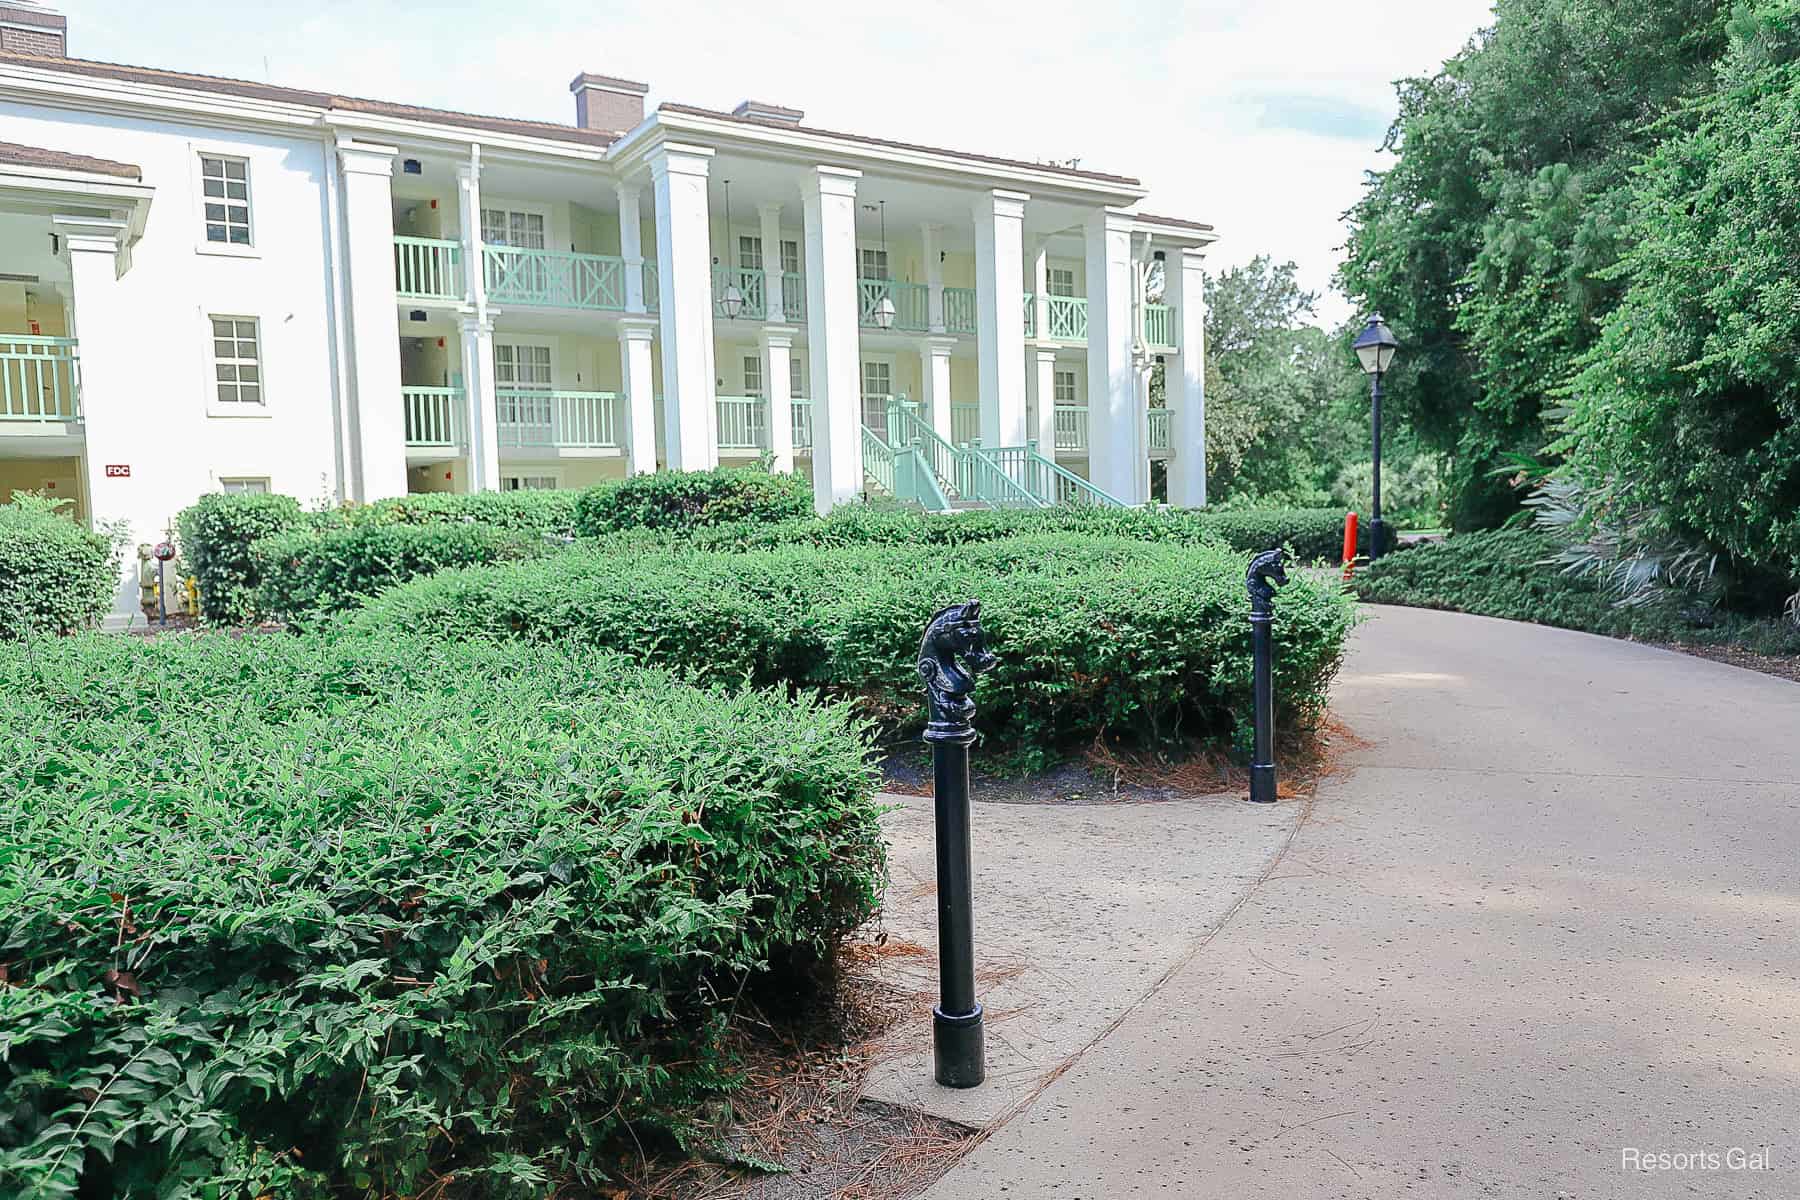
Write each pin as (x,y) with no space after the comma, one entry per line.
(932,237)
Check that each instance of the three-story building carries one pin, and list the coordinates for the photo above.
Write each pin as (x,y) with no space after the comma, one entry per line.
(211,283)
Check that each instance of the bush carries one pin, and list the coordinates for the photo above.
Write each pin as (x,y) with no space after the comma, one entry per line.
(674,499)
(1095,635)
(304,919)
(306,575)
(548,513)
(55,576)
(215,534)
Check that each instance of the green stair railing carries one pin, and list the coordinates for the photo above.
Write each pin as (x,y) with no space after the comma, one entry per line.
(878,460)
(907,428)
(1046,481)
(980,478)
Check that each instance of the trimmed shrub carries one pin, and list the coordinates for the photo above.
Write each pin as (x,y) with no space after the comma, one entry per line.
(1095,635)
(288,917)
(55,576)
(548,513)
(685,499)
(215,534)
(305,575)
(1499,573)
(1314,534)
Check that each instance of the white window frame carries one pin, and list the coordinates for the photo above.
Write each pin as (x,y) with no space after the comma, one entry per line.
(753,375)
(1073,399)
(197,151)
(866,254)
(796,376)
(553,474)
(216,407)
(510,207)
(513,343)
(748,253)
(876,360)
(260,485)
(794,244)
(1051,273)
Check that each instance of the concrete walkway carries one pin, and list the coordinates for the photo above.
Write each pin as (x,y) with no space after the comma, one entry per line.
(1548,928)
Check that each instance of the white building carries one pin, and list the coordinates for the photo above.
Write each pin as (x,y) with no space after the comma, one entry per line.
(210,283)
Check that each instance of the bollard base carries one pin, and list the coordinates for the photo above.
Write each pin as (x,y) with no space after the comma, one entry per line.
(956,1044)
(1262,783)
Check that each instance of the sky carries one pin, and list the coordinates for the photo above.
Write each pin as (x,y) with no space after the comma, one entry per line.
(1258,116)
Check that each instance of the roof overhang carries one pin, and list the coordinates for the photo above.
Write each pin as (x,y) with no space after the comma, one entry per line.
(56,191)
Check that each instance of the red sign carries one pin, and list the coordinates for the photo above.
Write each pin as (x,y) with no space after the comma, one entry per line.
(118,470)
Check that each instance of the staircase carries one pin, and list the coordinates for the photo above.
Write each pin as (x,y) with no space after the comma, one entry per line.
(915,465)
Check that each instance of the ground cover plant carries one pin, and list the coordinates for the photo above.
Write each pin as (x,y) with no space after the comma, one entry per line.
(56,576)
(1097,636)
(302,918)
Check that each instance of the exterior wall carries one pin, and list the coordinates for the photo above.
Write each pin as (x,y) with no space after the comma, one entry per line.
(58,477)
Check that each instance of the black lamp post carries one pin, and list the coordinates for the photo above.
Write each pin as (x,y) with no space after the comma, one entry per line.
(1375,347)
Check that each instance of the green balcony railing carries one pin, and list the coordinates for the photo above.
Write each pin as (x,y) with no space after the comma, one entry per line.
(965,423)
(1071,427)
(912,303)
(959,310)
(1160,429)
(563,420)
(40,378)
(802,424)
(652,288)
(1159,326)
(743,422)
(1030,315)
(427,269)
(1067,319)
(554,278)
(793,296)
(434,417)
(752,293)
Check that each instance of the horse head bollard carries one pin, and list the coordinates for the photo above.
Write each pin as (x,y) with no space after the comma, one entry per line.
(1267,572)
(951,654)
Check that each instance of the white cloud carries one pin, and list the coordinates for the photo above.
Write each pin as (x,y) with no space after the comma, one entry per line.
(1176,94)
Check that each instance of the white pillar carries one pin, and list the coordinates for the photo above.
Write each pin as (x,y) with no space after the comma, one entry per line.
(374,320)
(119,428)
(931,237)
(1040,291)
(1000,317)
(631,246)
(833,341)
(934,369)
(1184,377)
(468,193)
(1115,442)
(481,402)
(1044,364)
(771,252)
(639,434)
(777,346)
(684,277)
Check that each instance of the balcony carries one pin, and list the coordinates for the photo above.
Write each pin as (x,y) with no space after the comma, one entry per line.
(1159,327)
(793,296)
(912,304)
(959,310)
(1161,440)
(965,423)
(752,292)
(1072,427)
(40,381)
(554,278)
(434,418)
(531,419)
(744,423)
(428,269)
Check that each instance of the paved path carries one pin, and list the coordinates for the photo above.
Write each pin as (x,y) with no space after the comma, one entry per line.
(1551,918)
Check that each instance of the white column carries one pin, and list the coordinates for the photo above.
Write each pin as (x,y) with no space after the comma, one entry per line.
(374,320)
(639,434)
(1040,291)
(482,402)
(468,198)
(1184,377)
(1000,317)
(777,346)
(631,246)
(934,369)
(771,249)
(1115,441)
(684,277)
(833,341)
(119,429)
(931,237)
(1044,364)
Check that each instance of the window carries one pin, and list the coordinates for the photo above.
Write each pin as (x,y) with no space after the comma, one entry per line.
(506,227)
(790,256)
(244,487)
(528,483)
(794,388)
(872,264)
(753,375)
(1061,281)
(878,378)
(237,360)
(749,253)
(225,189)
(1065,387)
(521,367)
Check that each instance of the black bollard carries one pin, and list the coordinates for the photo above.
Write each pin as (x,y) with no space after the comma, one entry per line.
(952,653)
(1267,572)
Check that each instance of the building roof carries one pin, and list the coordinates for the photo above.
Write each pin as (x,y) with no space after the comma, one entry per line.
(1179,222)
(864,139)
(327,100)
(62,160)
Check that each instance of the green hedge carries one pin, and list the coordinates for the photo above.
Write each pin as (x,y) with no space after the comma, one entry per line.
(687,499)
(1500,573)
(308,919)
(55,575)
(549,513)
(305,575)
(1096,635)
(216,533)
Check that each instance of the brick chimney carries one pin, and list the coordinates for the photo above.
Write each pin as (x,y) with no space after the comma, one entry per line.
(605,103)
(27,27)
(763,111)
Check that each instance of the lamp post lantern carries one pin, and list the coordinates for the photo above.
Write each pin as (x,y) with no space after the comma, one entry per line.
(1375,347)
